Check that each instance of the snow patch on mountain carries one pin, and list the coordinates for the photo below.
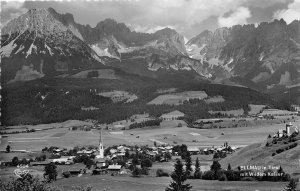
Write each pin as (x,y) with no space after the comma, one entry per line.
(20,49)
(5,51)
(32,46)
(194,51)
(99,51)
(261,57)
(49,49)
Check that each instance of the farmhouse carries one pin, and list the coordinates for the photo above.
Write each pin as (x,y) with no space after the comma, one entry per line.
(172,115)
(114,168)
(100,162)
(193,150)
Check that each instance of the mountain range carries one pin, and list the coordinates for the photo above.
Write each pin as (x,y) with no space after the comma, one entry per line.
(43,43)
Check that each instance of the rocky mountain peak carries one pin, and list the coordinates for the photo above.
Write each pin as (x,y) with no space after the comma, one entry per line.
(202,38)
(39,20)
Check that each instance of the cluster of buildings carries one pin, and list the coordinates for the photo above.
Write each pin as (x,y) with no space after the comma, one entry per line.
(213,149)
(288,131)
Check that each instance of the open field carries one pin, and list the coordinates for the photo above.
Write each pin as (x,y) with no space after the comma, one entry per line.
(178,98)
(242,122)
(119,96)
(67,124)
(119,183)
(65,138)
(236,112)
(255,109)
(215,99)
(102,73)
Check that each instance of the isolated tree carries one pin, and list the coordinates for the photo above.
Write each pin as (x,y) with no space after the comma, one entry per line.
(178,176)
(197,173)
(167,156)
(197,165)
(8,148)
(188,164)
(158,157)
(269,136)
(215,168)
(229,167)
(15,161)
(50,172)
(135,161)
(136,172)
(155,144)
(146,163)
(292,186)
(127,154)
(183,151)
(216,156)
(280,170)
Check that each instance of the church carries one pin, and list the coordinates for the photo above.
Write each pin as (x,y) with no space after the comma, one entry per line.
(99,159)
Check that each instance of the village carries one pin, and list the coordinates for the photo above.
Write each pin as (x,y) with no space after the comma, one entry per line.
(141,146)
(114,160)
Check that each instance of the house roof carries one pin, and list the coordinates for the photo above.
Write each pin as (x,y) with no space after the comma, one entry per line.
(101,160)
(114,167)
(174,113)
(193,149)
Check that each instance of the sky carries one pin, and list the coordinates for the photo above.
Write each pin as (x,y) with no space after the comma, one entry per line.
(188,17)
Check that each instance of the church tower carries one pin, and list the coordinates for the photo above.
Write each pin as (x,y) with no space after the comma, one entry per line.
(101,148)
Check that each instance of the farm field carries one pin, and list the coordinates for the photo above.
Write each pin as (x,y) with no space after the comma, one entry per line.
(119,183)
(178,98)
(65,138)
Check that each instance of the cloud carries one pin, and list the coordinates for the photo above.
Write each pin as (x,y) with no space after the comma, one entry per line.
(240,16)
(12,5)
(189,17)
(291,13)
(11,10)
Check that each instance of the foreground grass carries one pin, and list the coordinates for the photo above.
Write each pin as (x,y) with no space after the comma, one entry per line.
(120,183)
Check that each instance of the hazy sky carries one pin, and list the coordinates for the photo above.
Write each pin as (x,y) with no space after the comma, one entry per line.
(188,17)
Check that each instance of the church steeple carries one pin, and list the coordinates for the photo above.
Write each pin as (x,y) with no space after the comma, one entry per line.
(101,148)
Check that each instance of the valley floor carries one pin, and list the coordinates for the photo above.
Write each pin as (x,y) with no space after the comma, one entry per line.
(118,183)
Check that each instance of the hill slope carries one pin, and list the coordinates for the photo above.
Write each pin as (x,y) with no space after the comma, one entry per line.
(259,154)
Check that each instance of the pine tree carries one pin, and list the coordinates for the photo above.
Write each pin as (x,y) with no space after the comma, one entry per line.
(50,172)
(229,167)
(197,165)
(178,176)
(291,186)
(215,167)
(269,137)
(197,173)
(280,170)
(188,164)
(8,148)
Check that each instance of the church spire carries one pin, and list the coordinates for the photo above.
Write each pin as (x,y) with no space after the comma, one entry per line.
(101,148)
